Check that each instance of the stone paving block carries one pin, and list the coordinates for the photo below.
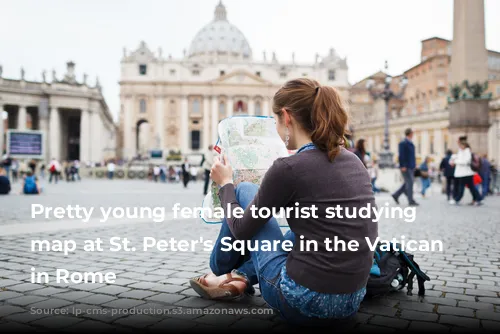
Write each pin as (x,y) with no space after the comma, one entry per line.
(90,326)
(4,295)
(427,327)
(459,321)
(491,325)
(123,303)
(490,300)
(87,286)
(142,285)
(138,321)
(248,324)
(5,282)
(162,272)
(389,322)
(25,300)
(488,315)
(185,274)
(51,303)
(137,294)
(6,310)
(26,317)
(14,327)
(380,310)
(441,301)
(166,298)
(25,287)
(419,316)
(475,305)
(72,295)
(416,306)
(49,291)
(56,321)
(111,290)
(476,292)
(195,302)
(97,299)
(169,288)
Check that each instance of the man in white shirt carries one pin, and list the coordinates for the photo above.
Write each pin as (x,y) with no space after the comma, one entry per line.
(111,169)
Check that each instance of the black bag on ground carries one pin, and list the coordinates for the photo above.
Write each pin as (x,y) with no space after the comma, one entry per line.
(392,270)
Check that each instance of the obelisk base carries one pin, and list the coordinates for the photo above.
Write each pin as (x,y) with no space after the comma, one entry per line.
(470,118)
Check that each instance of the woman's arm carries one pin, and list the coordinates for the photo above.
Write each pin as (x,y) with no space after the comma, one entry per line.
(276,190)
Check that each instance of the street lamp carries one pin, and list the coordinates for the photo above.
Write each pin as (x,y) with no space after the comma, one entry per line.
(386,156)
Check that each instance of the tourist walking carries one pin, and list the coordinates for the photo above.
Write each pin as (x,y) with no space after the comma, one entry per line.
(425,177)
(208,160)
(185,172)
(485,173)
(448,172)
(464,173)
(407,164)
(156,173)
(310,288)
(14,168)
(373,171)
(361,153)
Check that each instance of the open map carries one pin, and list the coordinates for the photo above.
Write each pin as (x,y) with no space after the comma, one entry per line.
(251,144)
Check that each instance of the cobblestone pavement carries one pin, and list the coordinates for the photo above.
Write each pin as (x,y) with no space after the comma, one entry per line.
(462,295)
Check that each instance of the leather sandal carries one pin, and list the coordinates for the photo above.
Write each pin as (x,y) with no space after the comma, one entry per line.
(224,291)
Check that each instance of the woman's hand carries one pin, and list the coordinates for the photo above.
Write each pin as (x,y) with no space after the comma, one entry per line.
(221,172)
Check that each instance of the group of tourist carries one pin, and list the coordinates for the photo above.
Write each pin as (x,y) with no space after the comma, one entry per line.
(12,169)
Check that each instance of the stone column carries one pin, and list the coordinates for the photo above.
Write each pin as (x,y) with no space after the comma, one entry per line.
(184,140)
(22,118)
(159,124)
(425,144)
(265,107)
(85,136)
(55,134)
(206,123)
(251,106)
(230,107)
(129,133)
(438,143)
(215,119)
(2,131)
(43,118)
(97,143)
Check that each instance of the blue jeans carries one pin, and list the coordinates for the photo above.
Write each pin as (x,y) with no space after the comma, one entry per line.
(263,267)
(426,183)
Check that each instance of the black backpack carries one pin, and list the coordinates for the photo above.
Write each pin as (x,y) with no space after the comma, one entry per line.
(392,270)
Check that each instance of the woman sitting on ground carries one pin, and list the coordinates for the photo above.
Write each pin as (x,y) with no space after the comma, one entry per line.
(306,287)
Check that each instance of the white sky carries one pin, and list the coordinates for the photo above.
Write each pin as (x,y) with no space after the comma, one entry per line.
(45,34)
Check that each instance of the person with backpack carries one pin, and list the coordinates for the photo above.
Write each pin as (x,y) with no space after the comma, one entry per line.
(308,288)
(54,169)
(30,186)
(448,172)
(463,162)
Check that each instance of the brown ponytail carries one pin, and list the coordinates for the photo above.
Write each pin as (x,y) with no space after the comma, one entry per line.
(318,109)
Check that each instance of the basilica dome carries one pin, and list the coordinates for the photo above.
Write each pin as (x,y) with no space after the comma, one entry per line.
(220,37)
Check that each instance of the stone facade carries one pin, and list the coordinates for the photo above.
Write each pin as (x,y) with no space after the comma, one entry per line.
(73,115)
(183,100)
(424,106)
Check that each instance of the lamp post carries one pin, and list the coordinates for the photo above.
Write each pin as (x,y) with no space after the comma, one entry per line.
(386,156)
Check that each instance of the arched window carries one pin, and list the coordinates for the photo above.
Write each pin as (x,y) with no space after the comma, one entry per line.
(142,106)
(196,106)
(258,109)
(222,109)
